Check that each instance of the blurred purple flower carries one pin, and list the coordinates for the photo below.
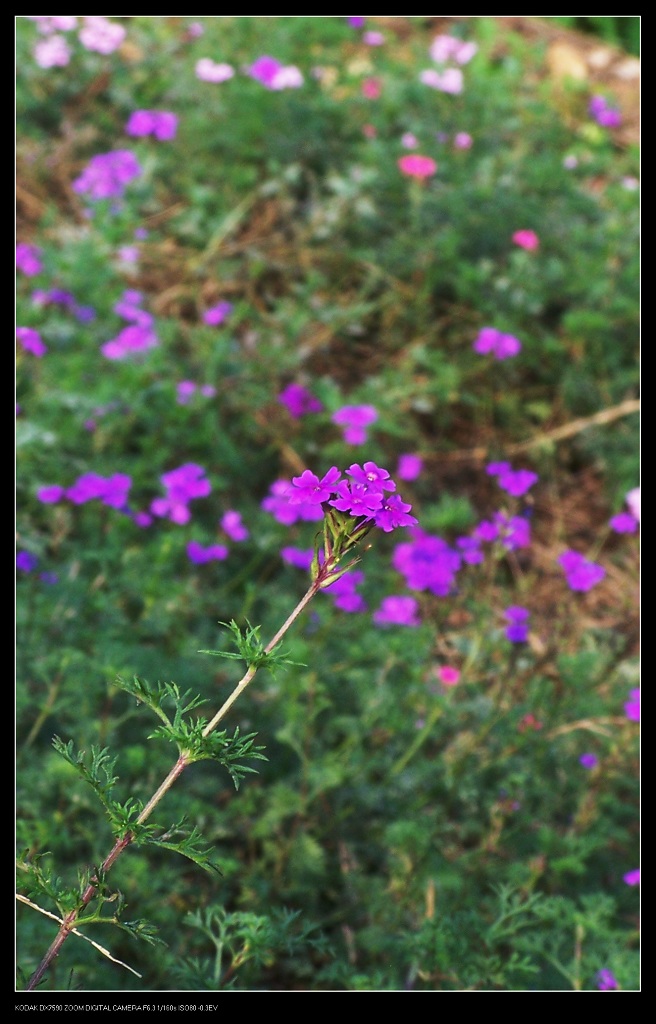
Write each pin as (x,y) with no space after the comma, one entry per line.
(632,706)
(277,503)
(298,401)
(517,628)
(580,573)
(491,341)
(409,467)
(355,419)
(107,174)
(128,341)
(25,561)
(182,485)
(300,559)
(342,591)
(31,341)
(273,75)
(232,525)
(633,502)
(215,315)
(161,123)
(515,482)
(50,495)
(606,981)
(101,35)
(427,563)
(28,259)
(632,877)
(589,760)
(198,554)
(393,513)
(397,611)
(623,523)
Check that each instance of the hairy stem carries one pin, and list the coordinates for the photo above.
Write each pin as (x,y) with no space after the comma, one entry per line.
(122,844)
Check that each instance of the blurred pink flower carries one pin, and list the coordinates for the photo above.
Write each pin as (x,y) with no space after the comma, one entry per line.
(371,88)
(417,166)
(526,239)
(448,675)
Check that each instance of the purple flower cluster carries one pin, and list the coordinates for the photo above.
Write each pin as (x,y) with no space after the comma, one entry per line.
(607,117)
(427,563)
(362,496)
(274,75)
(589,761)
(139,336)
(512,532)
(515,481)
(107,175)
(277,503)
(355,419)
(632,877)
(517,628)
(182,485)
(397,610)
(161,123)
(31,341)
(299,401)
(112,490)
(409,467)
(28,259)
(97,34)
(579,572)
(606,980)
(491,341)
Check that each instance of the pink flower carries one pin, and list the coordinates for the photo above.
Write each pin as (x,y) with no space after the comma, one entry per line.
(371,88)
(632,877)
(632,706)
(463,140)
(448,675)
(633,501)
(31,341)
(217,314)
(450,80)
(526,239)
(208,71)
(417,166)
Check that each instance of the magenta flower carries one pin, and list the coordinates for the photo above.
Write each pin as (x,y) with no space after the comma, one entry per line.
(448,675)
(373,38)
(299,401)
(217,314)
(273,75)
(161,123)
(606,981)
(427,563)
(632,877)
(355,419)
(417,166)
(471,550)
(31,341)
(589,760)
(310,489)
(603,114)
(397,611)
(580,573)
(50,495)
(526,239)
(633,501)
(463,140)
(446,48)
(28,259)
(623,523)
(632,706)
(491,341)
